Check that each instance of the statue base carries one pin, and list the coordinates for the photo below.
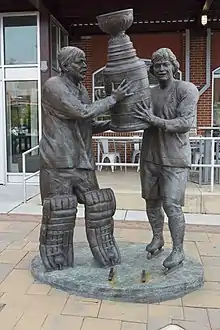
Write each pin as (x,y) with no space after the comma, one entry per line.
(86,279)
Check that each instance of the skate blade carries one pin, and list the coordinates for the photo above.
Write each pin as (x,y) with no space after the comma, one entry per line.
(155,254)
(173,269)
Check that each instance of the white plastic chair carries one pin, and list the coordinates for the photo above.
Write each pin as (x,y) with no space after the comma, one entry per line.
(136,152)
(112,156)
(197,148)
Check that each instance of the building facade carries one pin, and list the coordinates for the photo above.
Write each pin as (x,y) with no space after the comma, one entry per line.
(21,75)
(29,42)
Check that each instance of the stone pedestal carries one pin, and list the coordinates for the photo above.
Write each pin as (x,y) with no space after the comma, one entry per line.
(88,280)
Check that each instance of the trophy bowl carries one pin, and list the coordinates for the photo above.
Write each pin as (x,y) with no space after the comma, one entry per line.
(116,22)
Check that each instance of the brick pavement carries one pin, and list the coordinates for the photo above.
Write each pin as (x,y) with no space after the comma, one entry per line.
(26,304)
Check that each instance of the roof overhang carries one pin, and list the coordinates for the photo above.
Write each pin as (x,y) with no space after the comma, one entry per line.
(79,18)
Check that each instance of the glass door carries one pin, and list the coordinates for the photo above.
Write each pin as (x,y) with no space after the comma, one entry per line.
(2,135)
(20,67)
(21,124)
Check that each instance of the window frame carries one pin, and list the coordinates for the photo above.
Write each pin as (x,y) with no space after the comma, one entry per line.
(60,28)
(215,75)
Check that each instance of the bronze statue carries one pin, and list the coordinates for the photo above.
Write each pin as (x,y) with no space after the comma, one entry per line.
(123,63)
(166,153)
(67,166)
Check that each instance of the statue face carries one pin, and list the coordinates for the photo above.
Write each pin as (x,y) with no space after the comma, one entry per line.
(163,70)
(77,68)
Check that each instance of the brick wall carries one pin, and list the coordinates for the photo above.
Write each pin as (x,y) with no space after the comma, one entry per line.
(96,52)
(198,77)
(96,47)
(86,45)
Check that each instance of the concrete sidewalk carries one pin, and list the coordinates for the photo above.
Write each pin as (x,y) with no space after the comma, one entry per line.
(201,206)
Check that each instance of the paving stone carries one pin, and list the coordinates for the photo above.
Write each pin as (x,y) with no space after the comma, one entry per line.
(214,238)
(9,317)
(133,235)
(26,261)
(33,302)
(31,246)
(12,256)
(17,281)
(174,302)
(100,324)
(212,274)
(165,311)
(203,299)
(61,322)
(123,311)
(133,326)
(214,317)
(198,315)
(5,269)
(37,288)
(31,321)
(17,245)
(211,261)
(196,237)
(208,249)
(33,236)
(81,307)
(211,286)
(56,292)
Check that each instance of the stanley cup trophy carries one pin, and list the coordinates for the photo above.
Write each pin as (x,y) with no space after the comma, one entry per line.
(123,63)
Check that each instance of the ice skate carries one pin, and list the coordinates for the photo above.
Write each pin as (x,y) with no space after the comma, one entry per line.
(155,247)
(174,261)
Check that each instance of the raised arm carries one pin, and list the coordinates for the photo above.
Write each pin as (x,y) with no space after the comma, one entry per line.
(67,106)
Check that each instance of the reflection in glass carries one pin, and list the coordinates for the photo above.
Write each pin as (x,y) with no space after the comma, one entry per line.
(22,123)
(20,35)
(216,102)
(63,39)
(54,44)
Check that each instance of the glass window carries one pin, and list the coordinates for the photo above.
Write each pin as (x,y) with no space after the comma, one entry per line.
(54,44)
(22,124)
(216,101)
(20,39)
(59,39)
(63,39)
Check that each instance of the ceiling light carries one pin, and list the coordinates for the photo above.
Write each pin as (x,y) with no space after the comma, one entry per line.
(204,19)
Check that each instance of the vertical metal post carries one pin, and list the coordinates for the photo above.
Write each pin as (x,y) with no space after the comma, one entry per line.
(24,177)
(212,163)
